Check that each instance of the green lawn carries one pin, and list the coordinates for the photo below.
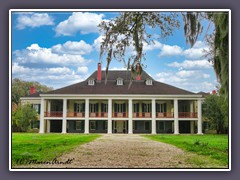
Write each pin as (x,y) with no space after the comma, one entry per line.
(44,147)
(211,147)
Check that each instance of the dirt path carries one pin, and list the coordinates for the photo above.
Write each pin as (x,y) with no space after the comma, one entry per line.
(123,151)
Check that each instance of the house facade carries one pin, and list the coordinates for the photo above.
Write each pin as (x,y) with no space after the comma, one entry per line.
(118,106)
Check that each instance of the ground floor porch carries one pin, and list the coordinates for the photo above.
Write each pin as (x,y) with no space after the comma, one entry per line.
(121,126)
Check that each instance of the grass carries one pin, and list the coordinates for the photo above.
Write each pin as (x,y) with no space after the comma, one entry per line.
(211,148)
(44,147)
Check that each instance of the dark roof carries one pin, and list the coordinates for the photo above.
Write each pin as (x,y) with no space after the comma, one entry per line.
(111,87)
(204,94)
(37,94)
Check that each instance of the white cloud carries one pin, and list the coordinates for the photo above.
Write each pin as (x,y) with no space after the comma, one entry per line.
(188,64)
(168,50)
(54,77)
(36,54)
(152,46)
(82,70)
(97,43)
(72,47)
(194,81)
(33,20)
(83,22)
(185,74)
(196,52)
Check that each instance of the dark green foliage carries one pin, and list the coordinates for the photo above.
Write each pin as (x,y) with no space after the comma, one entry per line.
(218,42)
(215,110)
(22,118)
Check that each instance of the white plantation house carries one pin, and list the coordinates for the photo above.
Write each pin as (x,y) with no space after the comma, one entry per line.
(93,106)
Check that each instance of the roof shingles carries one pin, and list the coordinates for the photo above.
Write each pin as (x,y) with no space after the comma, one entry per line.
(137,87)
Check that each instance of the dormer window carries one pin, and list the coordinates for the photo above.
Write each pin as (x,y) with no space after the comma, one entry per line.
(149,82)
(119,81)
(91,82)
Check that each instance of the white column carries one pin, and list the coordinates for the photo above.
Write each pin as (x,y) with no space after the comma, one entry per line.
(191,109)
(192,127)
(49,106)
(64,120)
(200,116)
(41,129)
(48,126)
(176,124)
(153,116)
(109,116)
(86,128)
(130,121)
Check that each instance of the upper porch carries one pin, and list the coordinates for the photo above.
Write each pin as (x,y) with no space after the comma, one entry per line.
(121,108)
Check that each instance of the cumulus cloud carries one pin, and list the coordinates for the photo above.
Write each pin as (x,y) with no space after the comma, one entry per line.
(194,81)
(82,22)
(36,54)
(168,50)
(97,43)
(55,77)
(196,52)
(152,46)
(188,64)
(33,20)
(72,47)
(82,70)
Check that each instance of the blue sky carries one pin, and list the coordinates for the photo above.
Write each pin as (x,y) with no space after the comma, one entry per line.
(61,48)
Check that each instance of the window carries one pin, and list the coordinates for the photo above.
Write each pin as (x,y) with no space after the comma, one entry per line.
(36,107)
(146,107)
(104,107)
(78,125)
(119,107)
(105,123)
(161,125)
(94,107)
(148,82)
(91,82)
(92,125)
(79,107)
(147,125)
(119,81)
(161,107)
(136,107)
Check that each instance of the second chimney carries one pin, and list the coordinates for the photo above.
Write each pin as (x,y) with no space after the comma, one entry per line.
(138,69)
(32,90)
(99,73)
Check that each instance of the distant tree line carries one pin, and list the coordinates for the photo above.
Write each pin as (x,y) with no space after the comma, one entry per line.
(24,116)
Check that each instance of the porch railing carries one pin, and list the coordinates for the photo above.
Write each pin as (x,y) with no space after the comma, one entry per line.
(53,114)
(120,114)
(98,114)
(164,114)
(142,114)
(75,114)
(187,115)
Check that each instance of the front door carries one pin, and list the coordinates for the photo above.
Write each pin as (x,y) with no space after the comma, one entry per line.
(120,126)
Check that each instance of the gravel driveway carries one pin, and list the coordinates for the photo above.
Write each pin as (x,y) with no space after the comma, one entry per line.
(123,151)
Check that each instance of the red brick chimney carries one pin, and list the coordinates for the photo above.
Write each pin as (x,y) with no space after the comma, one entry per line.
(32,90)
(99,74)
(138,69)
(213,91)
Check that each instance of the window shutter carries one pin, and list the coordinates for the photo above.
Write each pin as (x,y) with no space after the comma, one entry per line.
(96,125)
(75,107)
(165,107)
(39,108)
(124,107)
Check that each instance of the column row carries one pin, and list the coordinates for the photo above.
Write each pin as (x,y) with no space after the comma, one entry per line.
(129,117)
